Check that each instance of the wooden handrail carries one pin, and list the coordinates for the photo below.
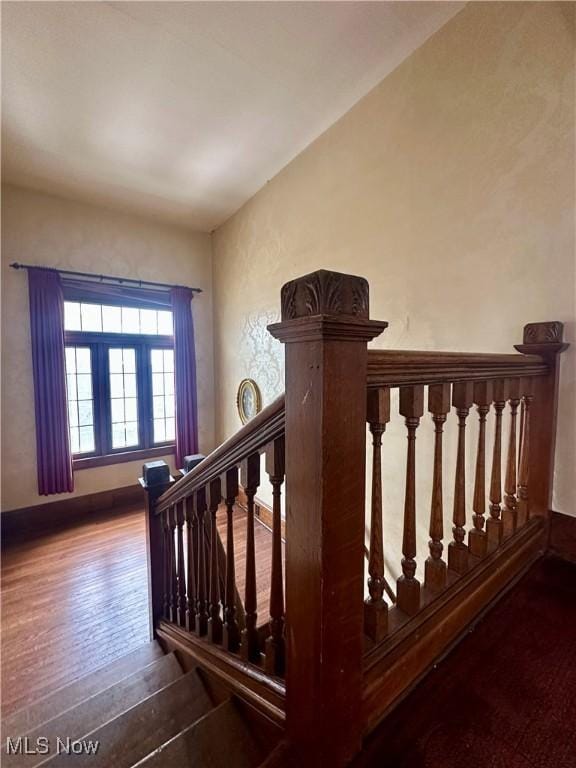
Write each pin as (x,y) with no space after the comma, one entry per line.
(254,435)
(393,368)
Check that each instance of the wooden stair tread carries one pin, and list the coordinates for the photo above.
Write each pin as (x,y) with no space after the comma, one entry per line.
(138,731)
(93,712)
(221,739)
(67,696)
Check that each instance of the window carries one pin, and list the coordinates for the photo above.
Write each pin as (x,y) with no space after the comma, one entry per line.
(120,379)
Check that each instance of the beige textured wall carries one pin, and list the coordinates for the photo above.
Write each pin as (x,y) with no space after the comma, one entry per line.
(451,188)
(41,229)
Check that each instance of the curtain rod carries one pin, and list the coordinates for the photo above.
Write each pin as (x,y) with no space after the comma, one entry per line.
(101,278)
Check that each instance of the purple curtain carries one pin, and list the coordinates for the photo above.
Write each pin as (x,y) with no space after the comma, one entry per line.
(53,455)
(185,375)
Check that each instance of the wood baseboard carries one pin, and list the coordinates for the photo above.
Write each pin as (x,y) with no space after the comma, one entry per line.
(37,520)
(562,540)
(395,666)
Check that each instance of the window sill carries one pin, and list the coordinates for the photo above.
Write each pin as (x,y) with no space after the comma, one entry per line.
(120,458)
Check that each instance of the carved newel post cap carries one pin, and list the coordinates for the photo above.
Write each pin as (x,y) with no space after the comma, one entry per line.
(155,473)
(327,305)
(543,339)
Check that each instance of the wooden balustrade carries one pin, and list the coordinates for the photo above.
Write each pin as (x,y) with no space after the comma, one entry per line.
(275,650)
(509,512)
(376,608)
(408,586)
(477,540)
(347,660)
(435,567)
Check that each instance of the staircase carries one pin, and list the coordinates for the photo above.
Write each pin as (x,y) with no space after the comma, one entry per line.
(144,709)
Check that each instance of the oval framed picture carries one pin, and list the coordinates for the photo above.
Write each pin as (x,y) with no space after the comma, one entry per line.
(248,400)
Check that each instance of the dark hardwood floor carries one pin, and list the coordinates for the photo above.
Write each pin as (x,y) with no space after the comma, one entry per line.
(76,599)
(72,601)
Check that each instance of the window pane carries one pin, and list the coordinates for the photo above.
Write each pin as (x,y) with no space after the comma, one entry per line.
(169,383)
(86,439)
(149,321)
(158,407)
(116,385)
(83,363)
(84,384)
(157,361)
(130,384)
(124,400)
(129,357)
(158,383)
(111,319)
(117,410)
(168,359)
(85,416)
(130,320)
(72,394)
(131,433)
(115,358)
(118,435)
(72,316)
(70,360)
(165,323)
(80,403)
(131,409)
(74,440)
(159,431)
(72,413)
(163,406)
(169,406)
(91,317)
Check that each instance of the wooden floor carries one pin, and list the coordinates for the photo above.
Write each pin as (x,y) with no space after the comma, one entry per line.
(77,599)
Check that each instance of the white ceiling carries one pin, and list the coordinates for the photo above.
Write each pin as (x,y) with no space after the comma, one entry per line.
(185,109)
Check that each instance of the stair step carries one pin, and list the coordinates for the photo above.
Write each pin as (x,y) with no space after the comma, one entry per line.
(221,739)
(67,696)
(90,714)
(138,731)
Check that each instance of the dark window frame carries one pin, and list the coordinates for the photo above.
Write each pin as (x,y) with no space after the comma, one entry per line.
(99,344)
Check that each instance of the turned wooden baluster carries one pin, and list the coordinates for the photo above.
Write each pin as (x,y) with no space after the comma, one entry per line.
(215,620)
(375,607)
(477,539)
(408,589)
(191,574)
(201,604)
(231,632)
(275,650)
(494,522)
(462,398)
(179,510)
(250,648)
(173,566)
(435,566)
(524,465)
(167,564)
(510,511)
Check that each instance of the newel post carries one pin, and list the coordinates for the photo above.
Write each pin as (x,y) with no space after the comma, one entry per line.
(326,329)
(540,400)
(155,480)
